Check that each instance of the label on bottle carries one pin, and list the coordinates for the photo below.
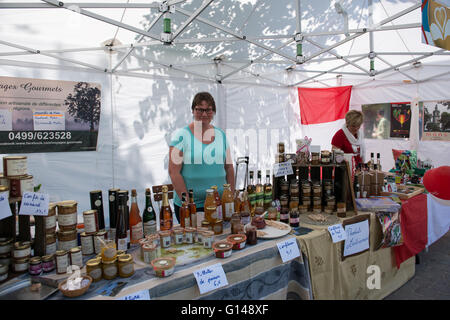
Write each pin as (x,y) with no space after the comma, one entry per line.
(284,216)
(229,210)
(219,212)
(294,220)
(112,198)
(98,203)
(149,227)
(194,220)
(252,199)
(137,232)
(150,209)
(187,222)
(122,244)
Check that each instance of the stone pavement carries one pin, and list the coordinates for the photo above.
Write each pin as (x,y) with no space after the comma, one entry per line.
(432,277)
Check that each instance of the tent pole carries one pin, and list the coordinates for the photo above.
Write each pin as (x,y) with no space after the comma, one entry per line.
(397,69)
(197,12)
(409,61)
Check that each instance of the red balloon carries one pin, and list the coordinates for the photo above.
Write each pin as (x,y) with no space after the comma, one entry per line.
(437,182)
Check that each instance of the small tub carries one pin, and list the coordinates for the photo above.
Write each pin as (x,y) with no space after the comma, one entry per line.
(222,249)
(163,266)
(238,241)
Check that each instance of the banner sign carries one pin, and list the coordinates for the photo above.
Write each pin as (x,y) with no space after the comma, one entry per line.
(400,119)
(435,23)
(39,115)
(436,120)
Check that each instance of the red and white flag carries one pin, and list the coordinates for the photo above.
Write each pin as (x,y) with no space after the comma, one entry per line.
(322,112)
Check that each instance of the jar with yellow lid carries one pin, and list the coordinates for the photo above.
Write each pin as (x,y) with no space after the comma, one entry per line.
(35,266)
(126,265)
(48,263)
(94,269)
(110,269)
(22,250)
(62,261)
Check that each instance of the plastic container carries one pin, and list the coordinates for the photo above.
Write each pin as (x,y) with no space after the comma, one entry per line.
(238,241)
(222,249)
(164,266)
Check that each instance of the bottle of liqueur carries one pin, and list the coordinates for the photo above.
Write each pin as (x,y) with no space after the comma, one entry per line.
(218,203)
(136,229)
(192,209)
(127,215)
(113,204)
(259,191)
(149,216)
(245,209)
(378,161)
(121,226)
(185,217)
(267,192)
(372,161)
(165,215)
(97,204)
(227,203)
(210,207)
(237,201)
(251,193)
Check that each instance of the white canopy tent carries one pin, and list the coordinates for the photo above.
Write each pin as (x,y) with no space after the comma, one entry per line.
(250,54)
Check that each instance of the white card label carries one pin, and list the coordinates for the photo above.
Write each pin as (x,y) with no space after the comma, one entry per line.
(337,233)
(282,169)
(288,249)
(357,237)
(210,278)
(34,204)
(140,295)
(5,209)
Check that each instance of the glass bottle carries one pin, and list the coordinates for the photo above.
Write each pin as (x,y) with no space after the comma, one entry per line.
(149,216)
(165,215)
(227,202)
(378,161)
(237,201)
(267,191)
(185,217)
(136,229)
(192,209)
(121,226)
(372,161)
(96,198)
(124,193)
(259,189)
(245,204)
(251,193)
(210,207)
(218,203)
(113,203)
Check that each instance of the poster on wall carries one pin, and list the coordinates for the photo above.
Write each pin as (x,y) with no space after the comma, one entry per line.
(377,120)
(435,23)
(436,120)
(39,115)
(400,119)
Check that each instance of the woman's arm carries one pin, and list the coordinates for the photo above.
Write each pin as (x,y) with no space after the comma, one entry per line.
(175,165)
(229,170)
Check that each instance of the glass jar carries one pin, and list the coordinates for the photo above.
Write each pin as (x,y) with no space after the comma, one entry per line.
(50,243)
(149,252)
(236,225)
(108,250)
(306,189)
(284,187)
(166,238)
(317,189)
(109,269)
(238,241)
(341,209)
(90,219)
(302,208)
(294,218)
(87,244)
(98,238)
(20,265)
(279,158)
(199,234)
(293,204)
(325,156)
(62,261)
(6,245)
(126,265)
(294,190)
(284,201)
(94,269)
(50,219)
(315,158)
(245,217)
(178,235)
(189,235)
(210,206)
(306,201)
(317,201)
(280,147)
(208,239)
(48,263)
(76,258)
(67,215)
(164,266)
(67,239)
(22,250)
(35,266)
(251,234)
(222,249)
(284,215)
(218,227)
(272,214)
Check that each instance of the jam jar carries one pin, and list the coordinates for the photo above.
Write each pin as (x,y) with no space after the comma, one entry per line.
(126,265)
(48,263)
(94,269)
(110,269)
(35,266)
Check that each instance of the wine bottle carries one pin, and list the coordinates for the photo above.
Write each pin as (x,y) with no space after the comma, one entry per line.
(149,217)
(259,191)
(113,204)
(267,191)
(135,221)
(121,226)
(97,204)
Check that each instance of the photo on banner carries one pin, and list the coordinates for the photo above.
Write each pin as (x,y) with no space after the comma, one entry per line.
(400,120)
(38,115)
(377,120)
(436,120)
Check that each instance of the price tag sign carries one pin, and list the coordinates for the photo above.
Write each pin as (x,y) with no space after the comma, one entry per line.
(288,249)
(337,233)
(282,169)
(357,238)
(141,295)
(5,209)
(34,204)
(210,278)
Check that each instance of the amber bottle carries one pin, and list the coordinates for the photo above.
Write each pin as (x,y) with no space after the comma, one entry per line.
(165,215)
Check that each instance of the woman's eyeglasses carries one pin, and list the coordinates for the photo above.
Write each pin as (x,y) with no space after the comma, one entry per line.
(201,110)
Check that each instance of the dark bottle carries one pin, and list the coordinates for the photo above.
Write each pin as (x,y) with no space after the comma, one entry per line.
(127,215)
(113,205)
(121,224)
(294,218)
(97,204)
(149,216)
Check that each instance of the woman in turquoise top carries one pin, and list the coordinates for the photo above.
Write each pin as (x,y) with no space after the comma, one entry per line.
(199,155)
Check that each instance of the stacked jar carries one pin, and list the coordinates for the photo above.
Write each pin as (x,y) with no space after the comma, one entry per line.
(66,234)
(317,197)
(280,156)
(329,197)
(50,230)
(294,203)
(284,201)
(306,197)
(6,246)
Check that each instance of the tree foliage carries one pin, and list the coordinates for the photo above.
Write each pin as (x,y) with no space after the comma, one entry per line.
(84,104)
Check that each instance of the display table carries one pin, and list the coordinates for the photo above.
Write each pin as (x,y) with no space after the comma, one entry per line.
(255,272)
(332,278)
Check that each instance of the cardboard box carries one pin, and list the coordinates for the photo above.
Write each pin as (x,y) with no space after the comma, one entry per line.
(364,179)
(376,189)
(376,177)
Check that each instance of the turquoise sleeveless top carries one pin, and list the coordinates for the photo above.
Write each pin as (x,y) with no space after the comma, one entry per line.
(203,164)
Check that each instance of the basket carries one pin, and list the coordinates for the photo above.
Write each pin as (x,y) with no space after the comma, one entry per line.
(77,292)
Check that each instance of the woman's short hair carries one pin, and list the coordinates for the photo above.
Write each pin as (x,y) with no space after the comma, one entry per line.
(203,96)
(354,118)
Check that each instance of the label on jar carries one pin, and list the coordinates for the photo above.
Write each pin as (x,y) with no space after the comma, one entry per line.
(50,222)
(245,220)
(149,255)
(241,245)
(178,238)
(16,167)
(137,232)
(50,248)
(67,245)
(89,223)
(96,273)
(110,271)
(109,253)
(3,276)
(87,245)
(67,219)
(207,242)
(19,267)
(22,253)
(127,269)
(229,210)
(225,254)
(150,227)
(284,216)
(166,242)
(168,272)
(62,262)
(76,259)
(5,249)
(294,220)
(187,222)
(122,244)
(188,237)
(26,185)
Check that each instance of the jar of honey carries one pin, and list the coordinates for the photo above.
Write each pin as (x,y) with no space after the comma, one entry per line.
(126,265)
(94,269)
(110,269)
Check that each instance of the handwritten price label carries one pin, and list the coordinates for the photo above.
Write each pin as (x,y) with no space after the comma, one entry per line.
(210,278)
(5,209)
(357,238)
(141,295)
(337,233)
(34,204)
(282,169)
(288,249)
